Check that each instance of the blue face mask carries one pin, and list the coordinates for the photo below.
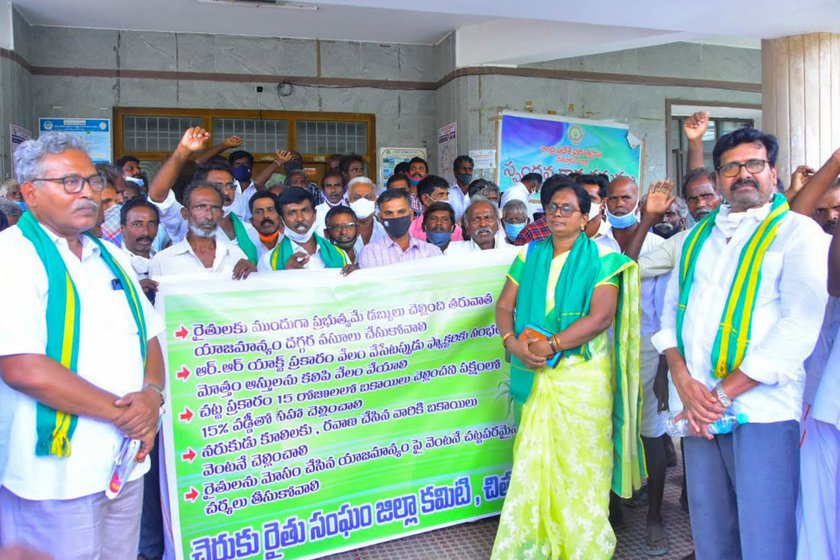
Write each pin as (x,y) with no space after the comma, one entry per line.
(512,231)
(438,238)
(242,174)
(622,222)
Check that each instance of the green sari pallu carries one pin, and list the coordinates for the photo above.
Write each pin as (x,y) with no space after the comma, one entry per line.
(579,433)
(55,428)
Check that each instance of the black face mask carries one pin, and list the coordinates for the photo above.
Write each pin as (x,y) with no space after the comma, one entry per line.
(397,227)
(346,246)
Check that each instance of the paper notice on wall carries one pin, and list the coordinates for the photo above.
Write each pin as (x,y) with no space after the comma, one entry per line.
(483,159)
(390,157)
(95,132)
(447,150)
(17,136)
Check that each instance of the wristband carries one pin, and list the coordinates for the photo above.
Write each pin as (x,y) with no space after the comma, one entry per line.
(157,389)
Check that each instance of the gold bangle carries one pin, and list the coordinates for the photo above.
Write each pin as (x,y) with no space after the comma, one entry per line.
(505,337)
(557,347)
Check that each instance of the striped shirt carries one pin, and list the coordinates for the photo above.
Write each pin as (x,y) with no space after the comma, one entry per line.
(385,251)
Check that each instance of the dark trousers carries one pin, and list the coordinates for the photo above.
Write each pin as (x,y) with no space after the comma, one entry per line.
(742,491)
(151,522)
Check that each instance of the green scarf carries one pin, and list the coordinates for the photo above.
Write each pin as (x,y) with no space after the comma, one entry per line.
(733,336)
(55,428)
(584,268)
(332,256)
(242,238)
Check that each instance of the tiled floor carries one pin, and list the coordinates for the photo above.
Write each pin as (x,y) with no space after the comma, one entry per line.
(474,541)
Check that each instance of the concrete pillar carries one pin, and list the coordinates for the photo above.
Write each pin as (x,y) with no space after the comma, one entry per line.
(800,78)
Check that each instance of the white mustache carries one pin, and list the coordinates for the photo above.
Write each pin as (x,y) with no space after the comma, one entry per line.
(85,204)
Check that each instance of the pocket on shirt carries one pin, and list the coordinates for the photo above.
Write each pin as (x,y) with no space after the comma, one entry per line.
(771,271)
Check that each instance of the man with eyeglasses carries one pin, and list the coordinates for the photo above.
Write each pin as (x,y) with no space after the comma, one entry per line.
(67,399)
(343,231)
(741,316)
(217,171)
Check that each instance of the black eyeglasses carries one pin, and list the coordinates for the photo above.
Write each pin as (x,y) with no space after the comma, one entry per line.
(734,168)
(565,210)
(75,183)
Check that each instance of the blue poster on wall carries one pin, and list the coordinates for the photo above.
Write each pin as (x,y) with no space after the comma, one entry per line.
(547,144)
(95,132)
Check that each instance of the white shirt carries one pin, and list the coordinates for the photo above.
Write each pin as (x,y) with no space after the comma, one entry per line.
(461,247)
(826,407)
(520,192)
(788,310)
(651,312)
(822,360)
(109,357)
(458,200)
(315,261)
(181,259)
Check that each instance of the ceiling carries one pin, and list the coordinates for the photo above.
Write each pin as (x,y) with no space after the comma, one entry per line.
(528,31)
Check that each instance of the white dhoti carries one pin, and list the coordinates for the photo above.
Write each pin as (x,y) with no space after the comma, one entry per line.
(819,497)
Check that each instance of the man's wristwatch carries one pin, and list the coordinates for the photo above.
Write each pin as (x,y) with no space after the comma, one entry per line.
(722,397)
(157,389)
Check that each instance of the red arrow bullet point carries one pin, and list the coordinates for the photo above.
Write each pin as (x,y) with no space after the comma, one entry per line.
(187,415)
(189,455)
(191,495)
(182,332)
(183,374)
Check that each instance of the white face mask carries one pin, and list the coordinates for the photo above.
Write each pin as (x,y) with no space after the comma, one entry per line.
(299,238)
(363,208)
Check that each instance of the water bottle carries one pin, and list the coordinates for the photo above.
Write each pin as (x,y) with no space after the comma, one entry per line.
(723,425)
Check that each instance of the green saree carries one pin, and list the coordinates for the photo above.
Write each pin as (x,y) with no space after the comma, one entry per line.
(579,432)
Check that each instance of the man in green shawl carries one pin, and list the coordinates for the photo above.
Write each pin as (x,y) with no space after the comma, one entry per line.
(742,312)
(300,247)
(79,362)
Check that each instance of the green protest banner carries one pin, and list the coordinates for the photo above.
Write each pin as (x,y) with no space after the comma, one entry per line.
(313,413)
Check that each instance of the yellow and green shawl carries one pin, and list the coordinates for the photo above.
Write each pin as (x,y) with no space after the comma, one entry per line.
(55,428)
(332,256)
(733,336)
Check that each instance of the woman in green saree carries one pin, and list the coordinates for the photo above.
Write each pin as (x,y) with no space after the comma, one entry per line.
(579,430)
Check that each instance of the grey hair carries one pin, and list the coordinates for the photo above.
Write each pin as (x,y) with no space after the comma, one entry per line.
(288,180)
(356,180)
(515,205)
(201,185)
(682,208)
(30,155)
(478,198)
(490,187)
(6,185)
(10,208)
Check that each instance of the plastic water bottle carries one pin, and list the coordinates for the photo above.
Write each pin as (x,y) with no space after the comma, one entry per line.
(723,425)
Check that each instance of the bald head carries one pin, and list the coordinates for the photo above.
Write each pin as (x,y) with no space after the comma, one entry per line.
(622,196)
(620,182)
